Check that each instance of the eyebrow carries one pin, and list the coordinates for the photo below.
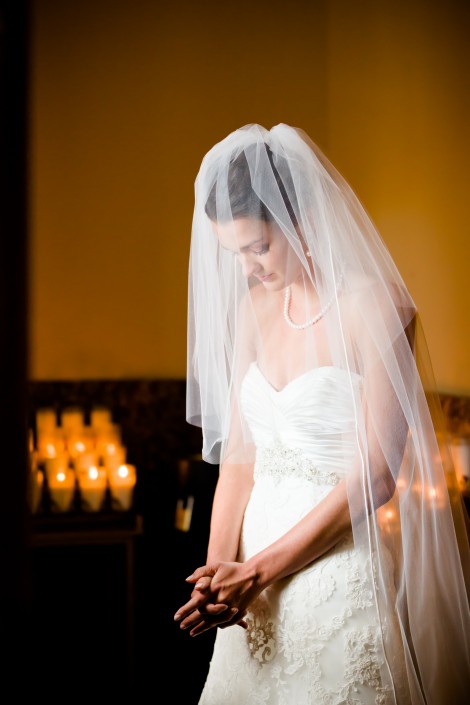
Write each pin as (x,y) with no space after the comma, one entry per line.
(245,247)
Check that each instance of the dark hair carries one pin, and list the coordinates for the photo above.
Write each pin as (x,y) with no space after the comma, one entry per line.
(244,202)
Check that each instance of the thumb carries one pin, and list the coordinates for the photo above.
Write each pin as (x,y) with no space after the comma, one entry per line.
(202,572)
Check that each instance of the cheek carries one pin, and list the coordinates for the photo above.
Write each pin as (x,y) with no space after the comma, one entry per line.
(279,256)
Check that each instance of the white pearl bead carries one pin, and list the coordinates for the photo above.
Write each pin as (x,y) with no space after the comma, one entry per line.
(301,326)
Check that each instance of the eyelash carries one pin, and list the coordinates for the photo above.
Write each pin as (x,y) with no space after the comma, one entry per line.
(258,253)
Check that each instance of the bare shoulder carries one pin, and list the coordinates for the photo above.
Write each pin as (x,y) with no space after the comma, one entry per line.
(359,288)
(372,306)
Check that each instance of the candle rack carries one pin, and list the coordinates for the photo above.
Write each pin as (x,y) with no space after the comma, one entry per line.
(45,505)
(77,467)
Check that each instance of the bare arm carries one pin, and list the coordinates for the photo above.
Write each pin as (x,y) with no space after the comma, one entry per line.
(230,499)
(236,585)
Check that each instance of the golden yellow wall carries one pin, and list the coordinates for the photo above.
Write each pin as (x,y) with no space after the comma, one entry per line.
(398,130)
(127,96)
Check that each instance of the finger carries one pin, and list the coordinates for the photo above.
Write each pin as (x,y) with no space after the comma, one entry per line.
(215,621)
(236,619)
(203,620)
(218,613)
(206,612)
(212,609)
(201,572)
(193,604)
(203,583)
(197,616)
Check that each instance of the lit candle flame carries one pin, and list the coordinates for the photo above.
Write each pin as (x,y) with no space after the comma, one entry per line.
(389,513)
(61,476)
(123,471)
(93,473)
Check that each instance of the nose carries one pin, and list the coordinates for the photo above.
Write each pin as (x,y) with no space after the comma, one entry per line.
(248,264)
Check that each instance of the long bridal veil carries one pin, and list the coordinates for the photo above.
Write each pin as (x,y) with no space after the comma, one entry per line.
(405,506)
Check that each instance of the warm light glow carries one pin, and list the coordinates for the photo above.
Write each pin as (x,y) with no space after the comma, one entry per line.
(80,446)
(389,513)
(61,476)
(93,473)
(110,448)
(433,492)
(50,449)
(123,471)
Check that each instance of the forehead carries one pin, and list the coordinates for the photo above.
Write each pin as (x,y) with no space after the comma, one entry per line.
(241,233)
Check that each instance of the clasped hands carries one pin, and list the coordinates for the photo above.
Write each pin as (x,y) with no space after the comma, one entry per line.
(220,597)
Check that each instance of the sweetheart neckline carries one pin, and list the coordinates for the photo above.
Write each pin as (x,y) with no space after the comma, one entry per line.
(299,377)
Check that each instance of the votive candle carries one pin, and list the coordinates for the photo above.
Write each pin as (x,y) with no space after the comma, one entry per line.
(55,464)
(122,482)
(36,484)
(92,487)
(62,489)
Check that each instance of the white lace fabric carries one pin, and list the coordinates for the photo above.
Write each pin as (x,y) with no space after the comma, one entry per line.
(313,637)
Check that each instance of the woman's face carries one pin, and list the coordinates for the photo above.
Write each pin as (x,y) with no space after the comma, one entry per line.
(262,250)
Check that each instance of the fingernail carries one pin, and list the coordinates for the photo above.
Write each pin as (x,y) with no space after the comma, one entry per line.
(199,585)
(234,610)
(177,617)
(189,576)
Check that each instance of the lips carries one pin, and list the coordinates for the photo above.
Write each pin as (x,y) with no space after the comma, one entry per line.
(265,278)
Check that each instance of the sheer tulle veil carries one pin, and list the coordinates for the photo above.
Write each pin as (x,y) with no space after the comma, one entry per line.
(403,497)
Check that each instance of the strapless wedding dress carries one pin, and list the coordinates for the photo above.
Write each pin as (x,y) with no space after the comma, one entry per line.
(312,638)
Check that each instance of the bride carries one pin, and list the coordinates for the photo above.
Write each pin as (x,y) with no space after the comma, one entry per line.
(337,565)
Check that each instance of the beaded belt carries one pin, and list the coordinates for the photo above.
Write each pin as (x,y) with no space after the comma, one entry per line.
(279,462)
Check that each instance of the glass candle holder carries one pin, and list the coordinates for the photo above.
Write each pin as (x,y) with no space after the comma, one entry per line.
(113,457)
(56,464)
(92,488)
(101,418)
(81,442)
(108,441)
(30,440)
(84,461)
(72,420)
(46,421)
(184,513)
(62,490)
(122,482)
(50,445)
(35,489)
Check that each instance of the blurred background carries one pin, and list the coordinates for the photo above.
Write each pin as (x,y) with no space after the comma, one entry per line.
(107,111)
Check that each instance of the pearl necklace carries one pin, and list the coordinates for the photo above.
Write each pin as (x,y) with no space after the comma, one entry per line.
(311,321)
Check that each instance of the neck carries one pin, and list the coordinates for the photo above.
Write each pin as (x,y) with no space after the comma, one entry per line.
(303,290)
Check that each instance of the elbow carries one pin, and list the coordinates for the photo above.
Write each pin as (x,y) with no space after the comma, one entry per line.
(383,488)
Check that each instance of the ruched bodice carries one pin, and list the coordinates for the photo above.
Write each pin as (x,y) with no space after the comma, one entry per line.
(314,413)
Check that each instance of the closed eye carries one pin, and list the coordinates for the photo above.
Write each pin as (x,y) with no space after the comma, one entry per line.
(246,250)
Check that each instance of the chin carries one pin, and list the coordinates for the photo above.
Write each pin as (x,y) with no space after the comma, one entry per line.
(274,285)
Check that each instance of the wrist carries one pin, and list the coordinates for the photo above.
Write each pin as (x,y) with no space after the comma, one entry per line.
(258,571)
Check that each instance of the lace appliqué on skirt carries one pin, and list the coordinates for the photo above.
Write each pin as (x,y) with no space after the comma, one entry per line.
(260,631)
(313,637)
